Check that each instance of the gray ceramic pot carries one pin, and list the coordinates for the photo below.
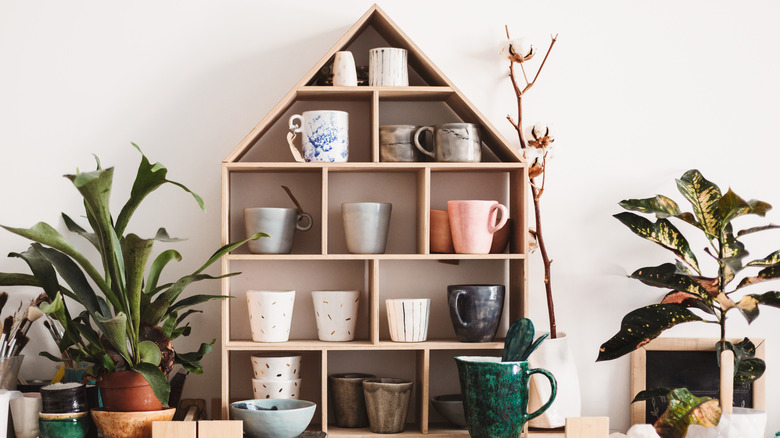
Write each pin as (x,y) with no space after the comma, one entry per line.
(475,310)
(387,403)
(280,225)
(366,225)
(349,403)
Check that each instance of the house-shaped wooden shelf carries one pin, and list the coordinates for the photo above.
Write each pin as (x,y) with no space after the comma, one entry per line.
(252,176)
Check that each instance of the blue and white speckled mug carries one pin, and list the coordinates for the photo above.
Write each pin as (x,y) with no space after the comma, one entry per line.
(325,135)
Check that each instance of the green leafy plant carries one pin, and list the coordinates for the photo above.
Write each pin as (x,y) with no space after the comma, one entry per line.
(130,317)
(519,342)
(714,295)
(683,409)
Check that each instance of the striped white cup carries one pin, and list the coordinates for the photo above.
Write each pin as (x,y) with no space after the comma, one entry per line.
(408,319)
(387,67)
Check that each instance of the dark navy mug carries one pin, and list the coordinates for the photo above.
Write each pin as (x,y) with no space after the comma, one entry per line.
(475,310)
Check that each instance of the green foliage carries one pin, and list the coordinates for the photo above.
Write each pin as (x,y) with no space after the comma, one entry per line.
(519,342)
(123,297)
(712,214)
(685,409)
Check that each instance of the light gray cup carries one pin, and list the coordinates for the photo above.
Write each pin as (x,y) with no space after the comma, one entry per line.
(279,223)
(452,142)
(396,143)
(366,225)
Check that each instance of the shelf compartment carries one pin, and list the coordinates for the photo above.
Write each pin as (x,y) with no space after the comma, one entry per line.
(429,279)
(392,187)
(267,192)
(303,277)
(317,345)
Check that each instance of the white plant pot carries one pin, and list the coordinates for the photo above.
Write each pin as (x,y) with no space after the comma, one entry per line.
(554,355)
(742,423)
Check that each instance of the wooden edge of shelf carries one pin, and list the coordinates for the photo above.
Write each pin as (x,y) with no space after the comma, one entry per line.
(388,257)
(366,166)
(366,345)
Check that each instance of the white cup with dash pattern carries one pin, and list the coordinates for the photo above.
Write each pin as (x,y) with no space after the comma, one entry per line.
(270,314)
(336,314)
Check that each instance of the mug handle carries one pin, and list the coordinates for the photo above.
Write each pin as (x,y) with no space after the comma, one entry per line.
(454,303)
(493,215)
(309,222)
(553,393)
(417,140)
(294,129)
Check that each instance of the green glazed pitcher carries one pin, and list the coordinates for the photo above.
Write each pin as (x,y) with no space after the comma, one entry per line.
(495,395)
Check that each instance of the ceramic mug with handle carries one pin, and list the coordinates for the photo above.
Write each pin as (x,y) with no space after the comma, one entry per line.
(473,223)
(325,135)
(452,142)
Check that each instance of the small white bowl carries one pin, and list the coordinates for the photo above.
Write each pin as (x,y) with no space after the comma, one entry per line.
(276,368)
(277,389)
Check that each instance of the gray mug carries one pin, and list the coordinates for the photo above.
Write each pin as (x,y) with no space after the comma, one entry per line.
(452,142)
(396,143)
(279,223)
(366,225)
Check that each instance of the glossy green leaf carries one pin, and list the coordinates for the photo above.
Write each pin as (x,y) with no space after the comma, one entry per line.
(195,300)
(688,300)
(685,409)
(732,206)
(73,227)
(191,361)
(42,270)
(704,197)
(770,260)
(649,394)
(136,254)
(149,352)
(766,274)
(226,249)
(661,232)
(733,253)
(519,338)
(666,276)
(660,205)
(642,325)
(156,379)
(747,367)
(158,265)
(148,179)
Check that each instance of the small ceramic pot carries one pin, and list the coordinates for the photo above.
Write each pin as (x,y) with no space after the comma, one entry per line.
(475,310)
(60,398)
(277,389)
(336,314)
(25,411)
(441,236)
(127,391)
(279,223)
(387,403)
(344,71)
(408,319)
(129,424)
(366,225)
(395,144)
(450,407)
(387,67)
(267,368)
(270,314)
(74,427)
(349,403)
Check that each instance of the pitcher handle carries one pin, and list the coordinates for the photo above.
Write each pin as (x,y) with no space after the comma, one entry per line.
(553,386)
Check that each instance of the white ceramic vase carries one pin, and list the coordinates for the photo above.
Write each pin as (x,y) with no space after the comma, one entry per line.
(344,71)
(555,356)
(270,314)
(336,314)
(742,423)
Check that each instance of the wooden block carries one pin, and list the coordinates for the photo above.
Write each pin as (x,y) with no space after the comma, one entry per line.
(174,429)
(221,429)
(587,427)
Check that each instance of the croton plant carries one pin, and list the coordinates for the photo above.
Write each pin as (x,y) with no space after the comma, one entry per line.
(713,294)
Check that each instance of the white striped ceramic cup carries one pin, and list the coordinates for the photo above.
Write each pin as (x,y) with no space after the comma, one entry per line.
(408,319)
(387,67)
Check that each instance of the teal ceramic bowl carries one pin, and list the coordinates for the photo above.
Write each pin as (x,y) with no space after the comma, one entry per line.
(76,427)
(269,418)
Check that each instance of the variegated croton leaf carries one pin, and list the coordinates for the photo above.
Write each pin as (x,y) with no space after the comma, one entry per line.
(766,274)
(748,305)
(642,325)
(661,232)
(770,260)
(747,367)
(704,197)
(661,206)
(733,253)
(666,276)
(686,409)
(732,206)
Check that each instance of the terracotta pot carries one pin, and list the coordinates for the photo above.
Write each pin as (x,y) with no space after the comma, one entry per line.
(127,391)
(441,236)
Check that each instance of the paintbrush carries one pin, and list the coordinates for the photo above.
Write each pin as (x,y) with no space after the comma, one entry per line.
(20,338)
(7,324)
(3,300)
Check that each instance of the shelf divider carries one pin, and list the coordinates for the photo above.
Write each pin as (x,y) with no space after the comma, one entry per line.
(373,301)
(423,365)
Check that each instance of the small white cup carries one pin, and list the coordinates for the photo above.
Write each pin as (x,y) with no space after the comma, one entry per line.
(344,71)
(336,314)
(270,314)
(5,397)
(408,319)
(387,67)
(278,389)
(25,411)
(268,368)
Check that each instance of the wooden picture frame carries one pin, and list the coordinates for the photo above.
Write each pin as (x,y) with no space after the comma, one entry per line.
(640,362)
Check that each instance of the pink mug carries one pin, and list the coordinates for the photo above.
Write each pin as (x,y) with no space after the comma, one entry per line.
(473,223)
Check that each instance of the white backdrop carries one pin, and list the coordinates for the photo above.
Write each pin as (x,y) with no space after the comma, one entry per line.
(639,92)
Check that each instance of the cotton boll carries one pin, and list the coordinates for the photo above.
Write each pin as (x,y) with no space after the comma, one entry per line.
(542,129)
(642,431)
(517,50)
(533,155)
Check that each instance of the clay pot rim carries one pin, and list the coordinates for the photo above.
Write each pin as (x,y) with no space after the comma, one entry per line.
(396,381)
(101,412)
(352,376)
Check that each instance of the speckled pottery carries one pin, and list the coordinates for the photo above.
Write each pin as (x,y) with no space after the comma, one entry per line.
(65,425)
(276,367)
(277,389)
(273,418)
(270,314)
(349,403)
(336,314)
(475,310)
(129,424)
(325,135)
(387,403)
(495,395)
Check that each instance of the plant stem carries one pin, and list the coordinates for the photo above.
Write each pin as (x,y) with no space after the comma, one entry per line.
(546,261)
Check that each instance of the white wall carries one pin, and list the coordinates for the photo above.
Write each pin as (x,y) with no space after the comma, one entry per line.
(639,93)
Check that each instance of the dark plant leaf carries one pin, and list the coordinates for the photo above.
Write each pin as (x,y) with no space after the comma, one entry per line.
(666,276)
(115,330)
(757,229)
(73,227)
(519,338)
(157,266)
(226,249)
(749,370)
(536,344)
(766,274)
(177,288)
(733,253)
(688,300)
(686,409)
(649,394)
(704,197)
(748,305)
(15,279)
(136,254)
(194,300)
(156,378)
(660,205)
(191,361)
(770,260)
(732,206)
(661,232)
(642,325)
(43,271)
